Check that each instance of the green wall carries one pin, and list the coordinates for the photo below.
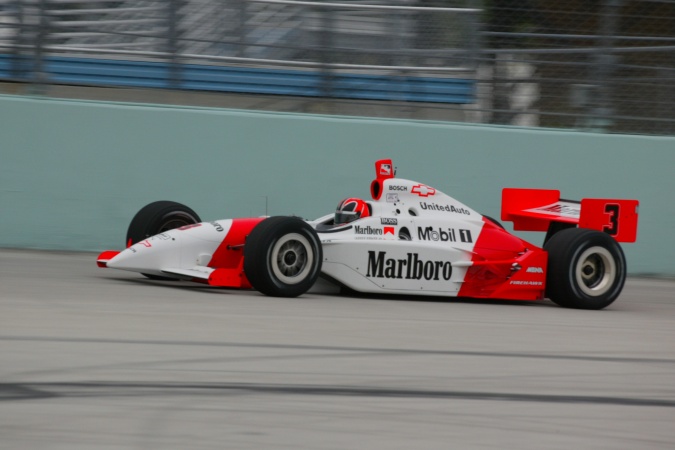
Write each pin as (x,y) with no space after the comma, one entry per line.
(73,173)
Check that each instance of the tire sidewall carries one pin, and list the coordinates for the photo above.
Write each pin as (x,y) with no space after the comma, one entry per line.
(260,256)
(616,283)
(566,250)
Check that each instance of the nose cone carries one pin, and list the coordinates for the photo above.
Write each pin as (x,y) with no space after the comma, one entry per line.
(149,256)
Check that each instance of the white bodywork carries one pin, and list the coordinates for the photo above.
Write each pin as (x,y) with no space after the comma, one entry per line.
(417,239)
(180,253)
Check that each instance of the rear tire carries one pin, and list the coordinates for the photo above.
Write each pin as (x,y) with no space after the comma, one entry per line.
(282,257)
(156,218)
(586,269)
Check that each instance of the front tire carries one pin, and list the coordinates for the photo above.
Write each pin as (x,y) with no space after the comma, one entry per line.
(282,257)
(586,269)
(156,218)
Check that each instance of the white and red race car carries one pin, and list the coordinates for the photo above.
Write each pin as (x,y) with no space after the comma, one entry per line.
(415,240)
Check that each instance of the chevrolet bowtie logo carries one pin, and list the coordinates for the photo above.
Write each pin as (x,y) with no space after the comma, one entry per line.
(423,190)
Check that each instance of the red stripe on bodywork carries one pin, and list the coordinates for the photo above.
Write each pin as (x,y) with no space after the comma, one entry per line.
(228,259)
(499,270)
(103,258)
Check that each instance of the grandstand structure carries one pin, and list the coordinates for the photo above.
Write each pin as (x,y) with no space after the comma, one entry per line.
(608,66)
(286,47)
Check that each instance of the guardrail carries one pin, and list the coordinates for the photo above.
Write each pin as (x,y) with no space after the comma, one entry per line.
(144,74)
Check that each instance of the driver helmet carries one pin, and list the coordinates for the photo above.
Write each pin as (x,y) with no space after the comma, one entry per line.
(350,209)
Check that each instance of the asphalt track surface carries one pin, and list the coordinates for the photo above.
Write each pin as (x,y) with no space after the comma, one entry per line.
(99,359)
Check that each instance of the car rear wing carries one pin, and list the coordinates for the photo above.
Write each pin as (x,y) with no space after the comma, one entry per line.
(544,210)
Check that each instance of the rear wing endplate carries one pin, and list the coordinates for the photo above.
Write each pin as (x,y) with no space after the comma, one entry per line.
(537,209)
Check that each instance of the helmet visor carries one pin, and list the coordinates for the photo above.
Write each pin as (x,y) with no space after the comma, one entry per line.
(346,216)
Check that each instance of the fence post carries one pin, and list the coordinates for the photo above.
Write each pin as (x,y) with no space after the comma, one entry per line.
(601,109)
(397,31)
(326,48)
(173,39)
(41,25)
(242,28)
(17,65)
(475,46)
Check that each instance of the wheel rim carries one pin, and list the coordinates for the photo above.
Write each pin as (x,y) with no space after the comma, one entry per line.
(596,271)
(292,258)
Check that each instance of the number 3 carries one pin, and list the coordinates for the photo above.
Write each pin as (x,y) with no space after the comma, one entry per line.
(613,228)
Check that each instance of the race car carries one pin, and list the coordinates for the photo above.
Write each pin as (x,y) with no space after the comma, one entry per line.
(408,239)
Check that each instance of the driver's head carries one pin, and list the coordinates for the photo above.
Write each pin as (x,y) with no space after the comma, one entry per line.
(350,209)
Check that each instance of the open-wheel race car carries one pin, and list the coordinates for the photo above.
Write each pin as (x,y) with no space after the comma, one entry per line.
(409,239)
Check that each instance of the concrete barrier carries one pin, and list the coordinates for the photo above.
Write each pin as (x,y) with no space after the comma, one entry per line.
(73,173)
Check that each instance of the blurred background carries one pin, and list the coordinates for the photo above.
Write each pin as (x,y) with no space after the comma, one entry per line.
(593,65)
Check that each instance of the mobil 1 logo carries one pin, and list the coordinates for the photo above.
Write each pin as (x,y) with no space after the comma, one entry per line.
(444,235)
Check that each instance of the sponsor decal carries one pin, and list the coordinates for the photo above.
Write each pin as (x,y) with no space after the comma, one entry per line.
(146,243)
(399,188)
(447,235)
(368,230)
(385,169)
(423,190)
(527,283)
(219,228)
(392,198)
(559,209)
(534,270)
(187,227)
(388,221)
(390,230)
(465,236)
(448,208)
(409,268)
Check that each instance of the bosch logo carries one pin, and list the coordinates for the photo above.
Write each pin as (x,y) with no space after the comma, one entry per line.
(398,188)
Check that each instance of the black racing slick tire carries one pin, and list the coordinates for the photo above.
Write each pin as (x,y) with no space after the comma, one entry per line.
(282,257)
(586,269)
(156,218)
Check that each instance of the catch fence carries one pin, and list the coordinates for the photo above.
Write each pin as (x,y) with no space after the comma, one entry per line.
(602,65)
